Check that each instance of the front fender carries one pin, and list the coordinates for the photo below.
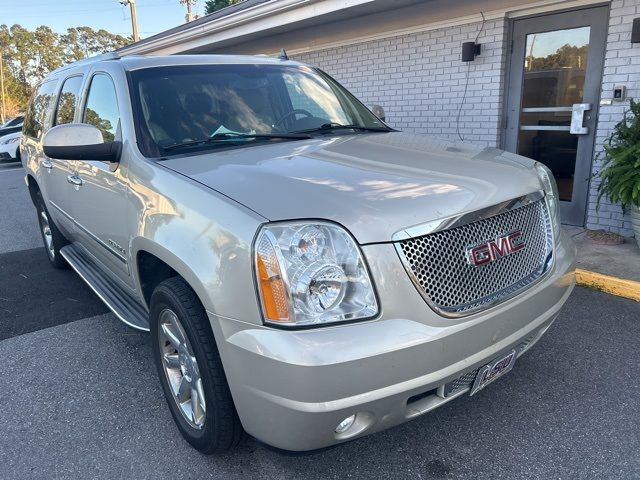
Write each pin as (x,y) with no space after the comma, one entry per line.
(203,236)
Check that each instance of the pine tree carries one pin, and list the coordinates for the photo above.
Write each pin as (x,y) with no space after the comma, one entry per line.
(211,6)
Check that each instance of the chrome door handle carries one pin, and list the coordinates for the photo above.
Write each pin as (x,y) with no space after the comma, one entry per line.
(74,180)
(48,164)
(577,118)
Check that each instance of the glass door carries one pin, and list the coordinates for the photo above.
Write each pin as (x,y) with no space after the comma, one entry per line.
(554,89)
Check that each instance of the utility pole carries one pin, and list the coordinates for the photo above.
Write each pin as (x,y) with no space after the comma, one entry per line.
(189,4)
(4,107)
(134,18)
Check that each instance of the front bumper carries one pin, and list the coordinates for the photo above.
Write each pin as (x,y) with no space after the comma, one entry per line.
(292,388)
(9,151)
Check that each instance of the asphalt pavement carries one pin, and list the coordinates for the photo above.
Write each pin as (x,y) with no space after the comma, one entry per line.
(79,397)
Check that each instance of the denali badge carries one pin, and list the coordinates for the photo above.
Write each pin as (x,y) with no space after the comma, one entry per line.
(492,250)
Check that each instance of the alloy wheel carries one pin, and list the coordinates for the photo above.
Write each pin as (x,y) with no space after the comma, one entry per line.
(46,234)
(181,369)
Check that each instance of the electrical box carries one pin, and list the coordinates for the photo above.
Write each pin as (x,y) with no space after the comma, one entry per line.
(470,50)
(619,93)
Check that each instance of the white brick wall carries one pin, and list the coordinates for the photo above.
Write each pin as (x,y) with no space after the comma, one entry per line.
(419,79)
(621,67)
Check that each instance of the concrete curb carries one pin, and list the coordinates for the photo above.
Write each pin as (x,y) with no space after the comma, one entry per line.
(613,285)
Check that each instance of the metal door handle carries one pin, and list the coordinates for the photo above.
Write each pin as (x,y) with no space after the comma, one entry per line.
(577,118)
(74,180)
(48,164)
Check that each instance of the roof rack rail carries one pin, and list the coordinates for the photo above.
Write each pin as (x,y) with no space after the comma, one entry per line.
(89,60)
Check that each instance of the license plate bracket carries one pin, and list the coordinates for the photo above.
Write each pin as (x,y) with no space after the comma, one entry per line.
(494,370)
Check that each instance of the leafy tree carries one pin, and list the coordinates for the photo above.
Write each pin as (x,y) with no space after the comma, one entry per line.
(82,42)
(211,6)
(567,56)
(28,56)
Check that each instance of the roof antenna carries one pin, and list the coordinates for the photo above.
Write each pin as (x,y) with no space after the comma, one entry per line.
(283,55)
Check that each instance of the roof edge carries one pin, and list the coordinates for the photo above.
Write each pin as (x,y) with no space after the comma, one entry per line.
(196,29)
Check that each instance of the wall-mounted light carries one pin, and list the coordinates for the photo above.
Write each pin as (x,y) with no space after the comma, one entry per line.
(470,50)
(635,31)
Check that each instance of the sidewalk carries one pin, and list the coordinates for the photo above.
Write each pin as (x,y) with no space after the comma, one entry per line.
(614,269)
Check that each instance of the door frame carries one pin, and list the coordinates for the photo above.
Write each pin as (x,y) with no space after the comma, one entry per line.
(576,210)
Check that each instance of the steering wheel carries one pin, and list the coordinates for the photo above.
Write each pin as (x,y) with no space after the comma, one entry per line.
(296,111)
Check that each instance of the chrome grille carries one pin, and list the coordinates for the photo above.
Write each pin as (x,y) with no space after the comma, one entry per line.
(438,265)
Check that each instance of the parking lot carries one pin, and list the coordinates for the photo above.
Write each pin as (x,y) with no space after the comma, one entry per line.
(79,397)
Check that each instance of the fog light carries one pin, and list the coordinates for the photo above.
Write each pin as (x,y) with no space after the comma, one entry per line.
(344,425)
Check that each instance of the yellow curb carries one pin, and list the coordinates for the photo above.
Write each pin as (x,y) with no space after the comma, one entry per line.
(613,285)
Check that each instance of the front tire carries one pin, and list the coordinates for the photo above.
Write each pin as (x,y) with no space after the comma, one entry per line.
(52,238)
(190,369)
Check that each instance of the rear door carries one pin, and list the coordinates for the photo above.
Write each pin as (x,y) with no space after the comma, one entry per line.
(60,172)
(100,202)
(52,180)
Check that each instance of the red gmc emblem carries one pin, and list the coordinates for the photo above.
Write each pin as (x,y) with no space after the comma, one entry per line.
(493,250)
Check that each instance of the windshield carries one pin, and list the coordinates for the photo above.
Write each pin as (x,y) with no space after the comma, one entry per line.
(191,108)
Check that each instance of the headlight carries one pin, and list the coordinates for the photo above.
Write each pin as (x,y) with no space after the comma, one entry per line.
(10,140)
(551,196)
(311,273)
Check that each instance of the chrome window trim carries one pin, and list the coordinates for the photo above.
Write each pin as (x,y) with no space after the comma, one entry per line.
(466,218)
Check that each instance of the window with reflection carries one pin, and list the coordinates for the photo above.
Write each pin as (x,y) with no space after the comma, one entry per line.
(555,66)
(68,100)
(101,109)
(36,115)
(176,105)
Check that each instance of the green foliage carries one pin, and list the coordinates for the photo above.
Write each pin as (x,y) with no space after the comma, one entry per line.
(620,174)
(567,56)
(211,6)
(30,55)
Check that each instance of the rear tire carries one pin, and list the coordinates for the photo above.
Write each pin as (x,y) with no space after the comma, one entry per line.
(190,369)
(52,238)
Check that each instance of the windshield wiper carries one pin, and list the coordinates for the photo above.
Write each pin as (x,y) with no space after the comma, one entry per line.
(339,126)
(220,137)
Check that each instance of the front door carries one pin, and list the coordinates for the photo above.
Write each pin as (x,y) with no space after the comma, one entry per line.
(553,95)
(100,203)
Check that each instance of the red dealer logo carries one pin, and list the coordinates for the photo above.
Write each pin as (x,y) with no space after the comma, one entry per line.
(493,250)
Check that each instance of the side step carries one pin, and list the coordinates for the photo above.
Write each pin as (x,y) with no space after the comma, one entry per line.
(121,302)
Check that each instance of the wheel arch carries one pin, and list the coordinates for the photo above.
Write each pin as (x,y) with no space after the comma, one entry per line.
(154,263)
(32,185)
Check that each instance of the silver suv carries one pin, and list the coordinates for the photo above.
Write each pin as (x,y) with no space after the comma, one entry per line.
(308,274)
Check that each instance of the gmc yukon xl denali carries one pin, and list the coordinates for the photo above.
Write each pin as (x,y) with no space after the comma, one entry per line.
(308,275)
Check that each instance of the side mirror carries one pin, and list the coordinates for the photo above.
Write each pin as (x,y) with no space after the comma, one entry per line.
(80,141)
(378,111)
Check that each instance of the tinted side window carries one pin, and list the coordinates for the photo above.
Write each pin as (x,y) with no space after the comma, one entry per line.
(68,100)
(34,121)
(101,109)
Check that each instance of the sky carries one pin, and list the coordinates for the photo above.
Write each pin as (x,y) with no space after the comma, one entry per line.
(154,16)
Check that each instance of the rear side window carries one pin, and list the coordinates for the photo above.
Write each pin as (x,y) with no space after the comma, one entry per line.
(68,100)
(101,109)
(36,115)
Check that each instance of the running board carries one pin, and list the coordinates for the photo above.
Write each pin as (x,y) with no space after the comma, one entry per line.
(121,302)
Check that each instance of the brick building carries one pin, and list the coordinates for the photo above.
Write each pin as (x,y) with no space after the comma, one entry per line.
(542,85)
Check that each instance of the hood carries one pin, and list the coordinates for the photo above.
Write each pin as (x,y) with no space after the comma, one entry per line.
(373,184)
